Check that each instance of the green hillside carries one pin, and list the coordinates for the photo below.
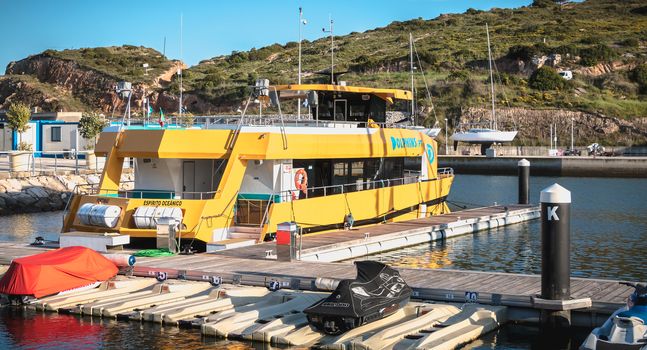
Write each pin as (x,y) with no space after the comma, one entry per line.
(121,62)
(602,41)
(453,52)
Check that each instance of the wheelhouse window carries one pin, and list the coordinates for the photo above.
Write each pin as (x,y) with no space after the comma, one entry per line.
(55,134)
(341,106)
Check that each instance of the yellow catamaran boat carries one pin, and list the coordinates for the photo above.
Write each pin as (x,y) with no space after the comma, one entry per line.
(342,164)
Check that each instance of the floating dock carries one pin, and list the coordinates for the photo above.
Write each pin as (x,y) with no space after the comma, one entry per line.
(366,240)
(448,308)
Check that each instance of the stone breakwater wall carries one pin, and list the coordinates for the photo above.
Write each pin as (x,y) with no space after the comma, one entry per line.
(43,193)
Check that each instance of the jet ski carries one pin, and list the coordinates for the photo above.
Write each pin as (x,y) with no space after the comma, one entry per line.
(626,328)
(377,292)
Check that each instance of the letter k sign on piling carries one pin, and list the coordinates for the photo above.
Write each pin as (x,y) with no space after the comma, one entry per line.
(551,213)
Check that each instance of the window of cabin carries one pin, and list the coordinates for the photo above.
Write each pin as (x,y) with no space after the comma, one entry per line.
(56,134)
(340,173)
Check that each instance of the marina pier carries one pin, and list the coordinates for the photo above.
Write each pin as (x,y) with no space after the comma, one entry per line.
(257,266)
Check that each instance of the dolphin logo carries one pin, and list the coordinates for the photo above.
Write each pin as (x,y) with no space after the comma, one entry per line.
(430,153)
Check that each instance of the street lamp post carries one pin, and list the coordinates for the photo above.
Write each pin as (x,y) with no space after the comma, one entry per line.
(332,50)
(446,141)
(302,22)
(572,122)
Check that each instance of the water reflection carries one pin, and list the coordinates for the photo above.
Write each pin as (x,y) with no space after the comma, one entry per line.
(28,329)
(527,337)
(26,227)
(609,230)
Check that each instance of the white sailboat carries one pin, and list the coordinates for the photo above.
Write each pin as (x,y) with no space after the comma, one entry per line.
(485,136)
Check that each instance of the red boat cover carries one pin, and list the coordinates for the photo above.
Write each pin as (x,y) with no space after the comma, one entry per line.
(55,271)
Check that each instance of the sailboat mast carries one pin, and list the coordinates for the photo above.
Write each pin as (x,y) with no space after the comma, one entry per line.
(180,71)
(413,94)
(489,53)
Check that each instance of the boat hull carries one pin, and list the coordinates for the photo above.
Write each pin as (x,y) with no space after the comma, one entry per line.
(484,136)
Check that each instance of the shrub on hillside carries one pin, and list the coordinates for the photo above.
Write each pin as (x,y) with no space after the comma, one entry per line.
(639,10)
(591,56)
(546,78)
(523,52)
(616,83)
(639,76)
(630,42)
(542,3)
(567,50)
(460,75)
(472,88)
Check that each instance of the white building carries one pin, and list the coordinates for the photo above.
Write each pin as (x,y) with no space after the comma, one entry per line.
(47,132)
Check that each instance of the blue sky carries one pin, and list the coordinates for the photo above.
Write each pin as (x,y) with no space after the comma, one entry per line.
(211,28)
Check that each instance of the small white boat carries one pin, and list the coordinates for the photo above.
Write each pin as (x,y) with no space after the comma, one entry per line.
(483,135)
(431,132)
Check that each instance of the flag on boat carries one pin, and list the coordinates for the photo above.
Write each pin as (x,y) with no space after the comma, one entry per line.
(161,117)
(149,111)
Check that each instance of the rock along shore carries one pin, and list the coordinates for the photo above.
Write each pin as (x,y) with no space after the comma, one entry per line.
(43,193)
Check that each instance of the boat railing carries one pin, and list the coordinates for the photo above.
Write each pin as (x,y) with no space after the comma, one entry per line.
(93,189)
(445,172)
(236,121)
(322,191)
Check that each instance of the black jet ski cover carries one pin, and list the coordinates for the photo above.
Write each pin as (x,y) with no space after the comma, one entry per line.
(377,292)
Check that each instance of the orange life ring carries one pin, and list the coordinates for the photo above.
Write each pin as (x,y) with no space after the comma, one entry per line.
(301,181)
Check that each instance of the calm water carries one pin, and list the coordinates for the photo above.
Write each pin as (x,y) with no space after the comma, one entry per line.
(608,234)
(609,240)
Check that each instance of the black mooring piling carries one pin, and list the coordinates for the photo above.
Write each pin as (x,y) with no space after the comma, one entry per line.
(523,167)
(555,252)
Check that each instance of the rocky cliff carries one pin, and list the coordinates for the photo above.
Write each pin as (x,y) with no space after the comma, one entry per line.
(51,83)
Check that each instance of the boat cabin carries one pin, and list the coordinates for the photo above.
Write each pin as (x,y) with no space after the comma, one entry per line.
(342,103)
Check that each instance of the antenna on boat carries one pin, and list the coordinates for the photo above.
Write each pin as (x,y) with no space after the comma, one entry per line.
(302,22)
(489,53)
(332,50)
(413,94)
(179,72)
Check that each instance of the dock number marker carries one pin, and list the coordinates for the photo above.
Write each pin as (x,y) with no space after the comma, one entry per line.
(552,213)
(471,297)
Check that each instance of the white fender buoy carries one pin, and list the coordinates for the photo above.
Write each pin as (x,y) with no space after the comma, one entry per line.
(121,260)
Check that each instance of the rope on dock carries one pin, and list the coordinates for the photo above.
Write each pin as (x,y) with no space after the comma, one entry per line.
(153,253)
